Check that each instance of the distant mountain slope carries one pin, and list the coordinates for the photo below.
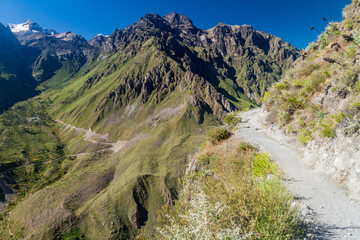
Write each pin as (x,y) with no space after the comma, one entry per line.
(131,118)
(41,55)
(53,53)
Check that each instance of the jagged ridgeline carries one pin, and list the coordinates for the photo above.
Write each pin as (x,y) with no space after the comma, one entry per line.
(134,114)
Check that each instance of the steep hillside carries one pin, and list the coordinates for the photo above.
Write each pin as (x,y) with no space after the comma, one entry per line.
(319,101)
(130,118)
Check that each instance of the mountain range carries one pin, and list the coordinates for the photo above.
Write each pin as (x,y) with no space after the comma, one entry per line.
(113,121)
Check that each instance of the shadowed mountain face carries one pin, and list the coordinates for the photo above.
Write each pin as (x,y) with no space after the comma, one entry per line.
(147,93)
(16,81)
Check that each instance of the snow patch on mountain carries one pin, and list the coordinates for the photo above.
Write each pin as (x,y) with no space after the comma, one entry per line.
(30,26)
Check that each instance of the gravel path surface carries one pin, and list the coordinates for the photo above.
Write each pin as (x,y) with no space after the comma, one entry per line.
(336,215)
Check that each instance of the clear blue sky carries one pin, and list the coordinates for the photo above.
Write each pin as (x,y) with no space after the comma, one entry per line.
(289,19)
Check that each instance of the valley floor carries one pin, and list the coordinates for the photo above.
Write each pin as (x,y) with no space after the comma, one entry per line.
(335,215)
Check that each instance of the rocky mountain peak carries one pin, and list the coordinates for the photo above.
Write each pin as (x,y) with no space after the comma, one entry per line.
(178,21)
(151,20)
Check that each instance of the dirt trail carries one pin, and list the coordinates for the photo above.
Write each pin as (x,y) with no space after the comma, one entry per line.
(336,214)
(7,193)
(97,138)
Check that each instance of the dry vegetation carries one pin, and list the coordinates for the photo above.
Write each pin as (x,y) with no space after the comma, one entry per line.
(303,102)
(236,194)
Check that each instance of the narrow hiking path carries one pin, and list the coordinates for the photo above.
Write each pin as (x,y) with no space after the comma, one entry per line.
(336,215)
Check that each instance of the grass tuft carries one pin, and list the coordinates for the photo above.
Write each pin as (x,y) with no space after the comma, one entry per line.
(218,134)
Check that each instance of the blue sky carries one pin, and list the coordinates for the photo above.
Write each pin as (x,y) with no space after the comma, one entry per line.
(289,19)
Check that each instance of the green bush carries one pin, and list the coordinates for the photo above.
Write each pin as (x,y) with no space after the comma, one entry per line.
(357,86)
(217,134)
(327,130)
(357,105)
(314,81)
(338,117)
(349,78)
(332,30)
(298,83)
(348,23)
(282,86)
(232,119)
(305,137)
(351,51)
(246,147)
(73,234)
(284,117)
(293,103)
(264,166)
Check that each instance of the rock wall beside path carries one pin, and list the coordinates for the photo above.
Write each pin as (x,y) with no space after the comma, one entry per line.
(338,158)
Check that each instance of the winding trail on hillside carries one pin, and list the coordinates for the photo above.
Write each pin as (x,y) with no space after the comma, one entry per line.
(336,215)
(96,138)
(7,193)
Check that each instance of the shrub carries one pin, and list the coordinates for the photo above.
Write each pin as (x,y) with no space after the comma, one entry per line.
(284,117)
(313,82)
(357,86)
(338,117)
(357,105)
(301,123)
(351,51)
(352,125)
(332,30)
(298,83)
(217,134)
(282,86)
(305,137)
(327,130)
(291,128)
(313,47)
(306,71)
(349,78)
(263,166)
(327,74)
(74,234)
(246,147)
(232,119)
(348,23)
(206,159)
(293,103)
(268,99)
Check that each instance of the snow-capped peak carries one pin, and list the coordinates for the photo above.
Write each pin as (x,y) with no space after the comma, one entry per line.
(30,26)
(101,35)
